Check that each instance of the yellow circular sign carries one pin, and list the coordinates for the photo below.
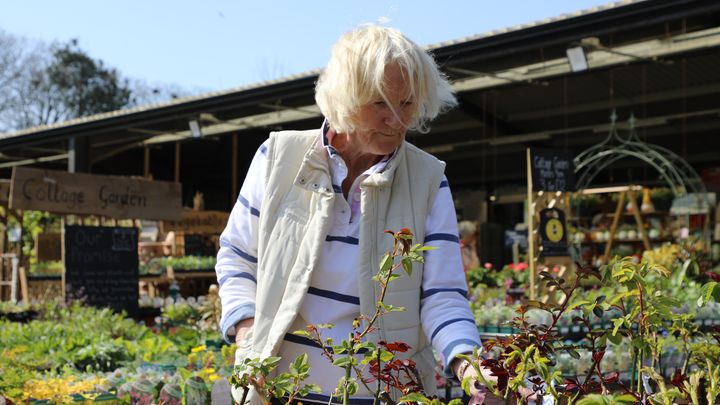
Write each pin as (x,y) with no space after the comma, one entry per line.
(554,230)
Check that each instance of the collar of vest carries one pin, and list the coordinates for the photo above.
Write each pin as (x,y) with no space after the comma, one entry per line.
(384,178)
(314,173)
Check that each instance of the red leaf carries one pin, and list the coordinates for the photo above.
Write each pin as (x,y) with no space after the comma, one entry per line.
(405,231)
(397,347)
(713,276)
(677,379)
(612,377)
(598,356)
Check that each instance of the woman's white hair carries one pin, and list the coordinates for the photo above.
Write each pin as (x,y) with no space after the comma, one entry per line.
(466,228)
(355,73)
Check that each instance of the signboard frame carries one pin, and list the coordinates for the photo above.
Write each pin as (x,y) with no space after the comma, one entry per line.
(89,194)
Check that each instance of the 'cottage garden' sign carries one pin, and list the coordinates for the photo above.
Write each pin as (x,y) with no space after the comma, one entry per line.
(79,193)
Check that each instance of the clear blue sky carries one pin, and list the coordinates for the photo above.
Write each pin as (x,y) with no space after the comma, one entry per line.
(219,44)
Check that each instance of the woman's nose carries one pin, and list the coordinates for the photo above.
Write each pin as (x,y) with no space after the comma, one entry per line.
(393,120)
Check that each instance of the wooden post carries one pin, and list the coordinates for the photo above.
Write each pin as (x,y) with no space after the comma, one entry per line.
(21,256)
(3,236)
(177,161)
(613,226)
(146,162)
(24,286)
(638,219)
(234,176)
(62,255)
(531,230)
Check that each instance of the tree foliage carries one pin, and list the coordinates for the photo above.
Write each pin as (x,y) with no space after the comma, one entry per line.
(43,84)
(81,85)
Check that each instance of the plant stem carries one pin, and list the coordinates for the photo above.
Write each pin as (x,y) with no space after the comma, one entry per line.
(346,395)
(244,395)
(348,372)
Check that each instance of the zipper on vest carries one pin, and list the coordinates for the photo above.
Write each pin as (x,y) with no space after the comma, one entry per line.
(376,255)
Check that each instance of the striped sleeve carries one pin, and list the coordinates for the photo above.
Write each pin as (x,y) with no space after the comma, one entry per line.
(445,312)
(236,266)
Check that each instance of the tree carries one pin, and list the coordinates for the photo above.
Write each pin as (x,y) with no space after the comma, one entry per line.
(19,60)
(49,85)
(43,84)
(84,86)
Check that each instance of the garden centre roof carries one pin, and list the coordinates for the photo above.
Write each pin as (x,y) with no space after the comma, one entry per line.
(655,59)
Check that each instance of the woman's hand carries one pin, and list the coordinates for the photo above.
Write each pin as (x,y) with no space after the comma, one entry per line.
(463,369)
(242,328)
(478,391)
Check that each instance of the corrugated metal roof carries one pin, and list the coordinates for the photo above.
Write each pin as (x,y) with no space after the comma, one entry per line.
(307,74)
(544,21)
(168,103)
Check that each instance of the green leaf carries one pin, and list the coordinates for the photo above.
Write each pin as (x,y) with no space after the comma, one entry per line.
(707,292)
(415,397)
(352,387)
(621,296)
(407,266)
(386,356)
(616,339)
(416,257)
(300,365)
(302,333)
(576,304)
(420,248)
(539,304)
(386,263)
(625,399)
(467,384)
(343,361)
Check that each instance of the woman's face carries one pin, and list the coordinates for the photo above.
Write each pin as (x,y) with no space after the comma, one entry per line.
(381,125)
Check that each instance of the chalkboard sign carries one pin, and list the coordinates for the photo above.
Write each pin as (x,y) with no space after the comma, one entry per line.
(101,265)
(552,170)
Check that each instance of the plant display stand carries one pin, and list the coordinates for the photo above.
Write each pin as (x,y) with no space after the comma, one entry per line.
(629,192)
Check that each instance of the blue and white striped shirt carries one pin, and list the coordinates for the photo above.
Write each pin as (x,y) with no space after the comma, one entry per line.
(333,294)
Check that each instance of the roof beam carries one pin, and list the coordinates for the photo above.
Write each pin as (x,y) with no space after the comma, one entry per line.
(289,114)
(597,59)
(617,102)
(62,156)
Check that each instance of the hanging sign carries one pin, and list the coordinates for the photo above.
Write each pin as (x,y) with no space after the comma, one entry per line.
(553,237)
(552,170)
(89,194)
(198,222)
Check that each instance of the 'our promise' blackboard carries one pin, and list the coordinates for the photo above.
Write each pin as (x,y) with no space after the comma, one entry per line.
(101,265)
(552,170)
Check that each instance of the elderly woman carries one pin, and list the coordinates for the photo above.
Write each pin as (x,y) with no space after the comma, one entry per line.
(468,240)
(306,233)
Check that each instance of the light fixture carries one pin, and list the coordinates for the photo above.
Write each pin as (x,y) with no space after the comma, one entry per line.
(577,58)
(195,128)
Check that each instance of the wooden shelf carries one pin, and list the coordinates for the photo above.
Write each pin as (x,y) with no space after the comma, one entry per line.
(619,241)
(644,214)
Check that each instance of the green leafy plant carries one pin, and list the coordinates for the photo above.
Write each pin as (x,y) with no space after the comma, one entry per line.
(385,369)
